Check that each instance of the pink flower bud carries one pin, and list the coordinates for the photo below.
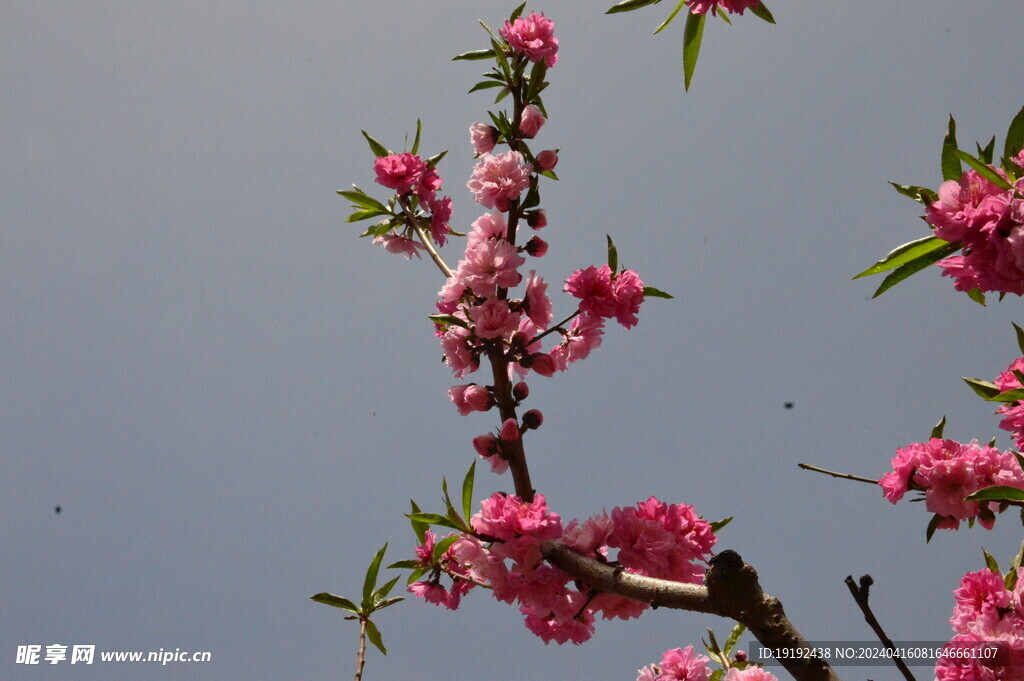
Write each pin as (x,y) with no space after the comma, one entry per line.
(537,247)
(530,122)
(547,159)
(520,391)
(482,137)
(543,364)
(741,656)
(538,219)
(509,430)
(470,397)
(485,445)
(532,419)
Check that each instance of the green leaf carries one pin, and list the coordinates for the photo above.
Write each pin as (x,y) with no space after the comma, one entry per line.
(734,638)
(951,168)
(939,427)
(651,292)
(365,215)
(467,490)
(404,565)
(985,389)
(376,147)
(1018,559)
(435,159)
(442,546)
(1020,336)
(447,320)
(380,594)
(719,524)
(1020,458)
(370,583)
(416,141)
(721,14)
(997,493)
(922,195)
(388,603)
(416,574)
(1014,142)
(762,12)
(373,634)
(914,266)
(1008,396)
(933,525)
(670,17)
(550,174)
(537,74)
(613,255)
(906,253)
(474,55)
(433,519)
(977,296)
(499,57)
(630,5)
(983,170)
(517,12)
(990,562)
(485,85)
(419,527)
(985,155)
(336,601)
(360,199)
(713,647)
(692,35)
(488,29)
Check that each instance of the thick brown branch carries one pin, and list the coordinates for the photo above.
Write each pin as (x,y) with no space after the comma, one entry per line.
(731,589)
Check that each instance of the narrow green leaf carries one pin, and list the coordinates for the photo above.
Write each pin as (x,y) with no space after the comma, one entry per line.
(933,525)
(389,602)
(336,601)
(416,142)
(1014,142)
(360,199)
(985,155)
(1008,396)
(416,574)
(550,174)
(517,12)
(734,638)
(500,59)
(977,296)
(939,427)
(630,5)
(922,195)
(1010,578)
(433,519)
(990,562)
(983,170)
(435,159)
(1019,558)
(467,490)
(485,85)
(951,168)
(376,147)
(502,95)
(404,565)
(1020,336)
(359,215)
(447,320)
(762,12)
(537,74)
(997,493)
(713,647)
(651,292)
(721,14)
(613,255)
(373,634)
(370,582)
(719,524)
(693,33)
(908,252)
(488,29)
(985,389)
(1020,458)
(914,266)
(474,55)
(419,527)
(672,16)
(380,594)
(442,546)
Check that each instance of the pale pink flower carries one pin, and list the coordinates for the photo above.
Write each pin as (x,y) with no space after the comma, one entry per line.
(534,36)
(583,336)
(591,537)
(482,137)
(450,294)
(536,303)
(547,159)
(530,122)
(730,6)
(496,180)
(440,215)
(400,172)
(749,674)
(470,398)
(493,319)
(399,245)
(541,363)
(457,353)
(490,264)
(488,226)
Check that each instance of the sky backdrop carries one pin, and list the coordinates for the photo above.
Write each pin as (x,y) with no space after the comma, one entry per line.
(232,398)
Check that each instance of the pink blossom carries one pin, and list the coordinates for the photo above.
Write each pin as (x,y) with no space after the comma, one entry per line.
(979,591)
(425,551)
(505,517)
(543,364)
(433,592)
(534,36)
(400,245)
(683,665)
(547,159)
(440,215)
(1018,160)
(969,210)
(457,353)
(488,226)
(583,336)
(487,446)
(488,265)
(749,674)
(509,430)
(731,6)
(589,538)
(470,398)
(400,172)
(617,607)
(497,180)
(531,121)
(450,294)
(629,294)
(493,319)
(662,540)
(482,137)
(536,303)
(593,286)
(428,185)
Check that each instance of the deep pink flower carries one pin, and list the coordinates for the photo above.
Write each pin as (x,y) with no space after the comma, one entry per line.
(969,210)
(433,592)
(531,121)
(533,35)
(593,286)
(536,247)
(662,540)
(440,215)
(629,294)
(730,6)
(505,517)
(496,180)
(509,430)
(400,172)
(482,137)
(487,446)
(537,219)
(682,665)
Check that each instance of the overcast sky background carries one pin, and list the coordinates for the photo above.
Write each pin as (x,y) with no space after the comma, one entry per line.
(233,399)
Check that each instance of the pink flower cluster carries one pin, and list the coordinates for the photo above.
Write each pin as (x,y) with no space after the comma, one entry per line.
(986,614)
(947,472)
(988,222)
(677,665)
(409,175)
(730,6)
(605,294)
(504,553)
(1013,413)
(534,36)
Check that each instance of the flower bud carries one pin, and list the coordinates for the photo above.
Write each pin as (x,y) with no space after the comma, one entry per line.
(538,219)
(520,391)
(530,122)
(542,363)
(482,136)
(509,430)
(532,419)
(740,656)
(536,247)
(485,445)
(546,160)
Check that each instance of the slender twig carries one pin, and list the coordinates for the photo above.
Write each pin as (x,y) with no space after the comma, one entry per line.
(464,578)
(361,657)
(552,329)
(844,476)
(424,239)
(860,595)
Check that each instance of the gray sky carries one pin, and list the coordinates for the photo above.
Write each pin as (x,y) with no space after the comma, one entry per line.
(232,398)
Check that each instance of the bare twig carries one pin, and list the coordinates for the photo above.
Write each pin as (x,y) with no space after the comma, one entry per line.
(844,476)
(361,657)
(860,595)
